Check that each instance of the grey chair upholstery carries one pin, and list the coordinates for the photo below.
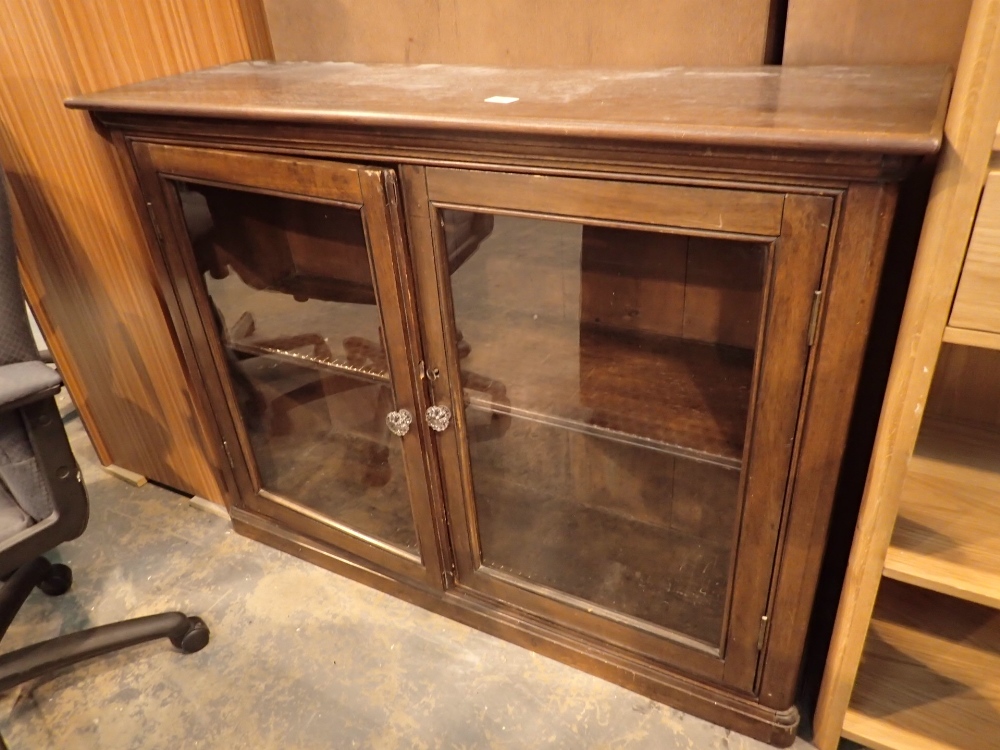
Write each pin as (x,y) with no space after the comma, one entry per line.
(43,501)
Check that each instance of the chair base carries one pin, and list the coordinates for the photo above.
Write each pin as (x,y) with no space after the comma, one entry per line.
(189,634)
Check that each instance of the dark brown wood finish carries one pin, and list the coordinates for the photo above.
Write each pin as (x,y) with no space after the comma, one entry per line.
(851,285)
(730,211)
(767,107)
(800,251)
(144,187)
(333,182)
(795,274)
(794,166)
(362,189)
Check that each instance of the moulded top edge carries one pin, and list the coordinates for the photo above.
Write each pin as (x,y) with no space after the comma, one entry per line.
(883,109)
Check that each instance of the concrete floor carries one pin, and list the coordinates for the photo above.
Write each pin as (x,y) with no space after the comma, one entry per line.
(299,657)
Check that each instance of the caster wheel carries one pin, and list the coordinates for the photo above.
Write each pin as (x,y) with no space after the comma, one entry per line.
(195,638)
(58,580)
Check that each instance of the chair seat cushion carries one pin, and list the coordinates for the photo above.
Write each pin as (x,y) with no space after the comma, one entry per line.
(12,518)
(20,380)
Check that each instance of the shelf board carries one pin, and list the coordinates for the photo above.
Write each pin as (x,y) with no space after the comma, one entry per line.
(325,366)
(969,337)
(929,674)
(585,428)
(680,396)
(947,534)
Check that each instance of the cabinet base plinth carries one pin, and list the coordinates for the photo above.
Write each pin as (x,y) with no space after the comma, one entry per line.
(738,712)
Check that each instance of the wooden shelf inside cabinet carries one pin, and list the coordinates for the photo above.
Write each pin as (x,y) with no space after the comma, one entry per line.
(947,535)
(927,679)
(318,364)
(679,396)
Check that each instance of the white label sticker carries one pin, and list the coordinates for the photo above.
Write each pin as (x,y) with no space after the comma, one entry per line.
(502,99)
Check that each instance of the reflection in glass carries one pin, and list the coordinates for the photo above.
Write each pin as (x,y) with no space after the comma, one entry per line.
(606,377)
(294,303)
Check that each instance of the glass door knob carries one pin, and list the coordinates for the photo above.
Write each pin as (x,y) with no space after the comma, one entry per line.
(438,418)
(399,422)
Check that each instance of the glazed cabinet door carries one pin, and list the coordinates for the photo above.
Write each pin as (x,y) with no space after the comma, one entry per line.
(292,279)
(622,364)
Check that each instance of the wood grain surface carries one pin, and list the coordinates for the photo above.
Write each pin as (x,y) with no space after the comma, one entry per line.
(928,675)
(521,33)
(693,288)
(947,534)
(737,211)
(832,237)
(83,248)
(888,110)
(267,174)
(874,32)
(977,303)
(850,285)
(969,134)
(966,337)
(964,388)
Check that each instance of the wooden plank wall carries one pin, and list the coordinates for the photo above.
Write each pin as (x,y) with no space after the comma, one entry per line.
(874,32)
(526,33)
(84,254)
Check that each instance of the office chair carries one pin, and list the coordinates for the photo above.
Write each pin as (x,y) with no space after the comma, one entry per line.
(42,498)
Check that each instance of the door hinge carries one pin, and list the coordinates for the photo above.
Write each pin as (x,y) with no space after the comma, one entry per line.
(814,316)
(391,191)
(762,633)
(229,456)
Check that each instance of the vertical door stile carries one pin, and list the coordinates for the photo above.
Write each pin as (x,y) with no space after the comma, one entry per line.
(295,269)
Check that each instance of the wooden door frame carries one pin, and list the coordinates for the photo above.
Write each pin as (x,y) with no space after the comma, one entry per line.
(798,227)
(371,191)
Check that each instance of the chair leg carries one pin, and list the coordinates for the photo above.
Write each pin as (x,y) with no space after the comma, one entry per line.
(16,589)
(189,634)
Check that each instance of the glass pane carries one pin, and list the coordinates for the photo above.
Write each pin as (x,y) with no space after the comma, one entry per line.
(606,378)
(294,303)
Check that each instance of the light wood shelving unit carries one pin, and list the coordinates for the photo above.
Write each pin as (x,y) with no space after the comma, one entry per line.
(929,675)
(914,663)
(947,534)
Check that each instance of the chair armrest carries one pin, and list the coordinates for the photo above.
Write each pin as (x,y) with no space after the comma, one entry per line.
(25,382)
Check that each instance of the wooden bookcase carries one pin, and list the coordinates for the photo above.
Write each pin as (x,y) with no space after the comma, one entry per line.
(915,659)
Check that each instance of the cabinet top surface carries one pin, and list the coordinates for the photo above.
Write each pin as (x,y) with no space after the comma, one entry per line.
(871,109)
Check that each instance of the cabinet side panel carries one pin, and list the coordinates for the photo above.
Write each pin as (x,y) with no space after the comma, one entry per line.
(84,253)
